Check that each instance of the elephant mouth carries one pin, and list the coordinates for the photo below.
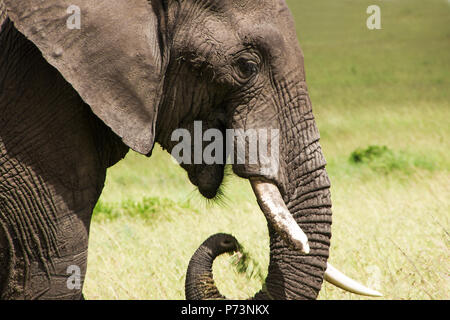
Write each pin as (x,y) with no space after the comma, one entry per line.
(207,178)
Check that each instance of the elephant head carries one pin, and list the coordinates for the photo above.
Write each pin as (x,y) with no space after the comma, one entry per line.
(149,69)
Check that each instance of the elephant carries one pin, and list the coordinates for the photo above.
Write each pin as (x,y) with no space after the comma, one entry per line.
(81,85)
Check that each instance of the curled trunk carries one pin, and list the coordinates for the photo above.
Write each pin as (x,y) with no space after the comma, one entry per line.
(292,274)
(199,283)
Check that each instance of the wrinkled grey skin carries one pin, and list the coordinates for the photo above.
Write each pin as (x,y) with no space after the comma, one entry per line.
(199,284)
(73,101)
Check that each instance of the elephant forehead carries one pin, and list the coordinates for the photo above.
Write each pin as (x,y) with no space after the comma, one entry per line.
(252,5)
(211,35)
(243,5)
(232,27)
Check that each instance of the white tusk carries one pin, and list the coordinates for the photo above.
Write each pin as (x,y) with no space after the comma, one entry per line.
(278,215)
(340,280)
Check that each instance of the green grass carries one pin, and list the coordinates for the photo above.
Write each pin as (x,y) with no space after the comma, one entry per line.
(379,88)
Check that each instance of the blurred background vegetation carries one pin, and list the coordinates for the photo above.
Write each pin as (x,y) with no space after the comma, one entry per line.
(381,101)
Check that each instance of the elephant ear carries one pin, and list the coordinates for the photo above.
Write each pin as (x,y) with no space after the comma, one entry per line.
(112,58)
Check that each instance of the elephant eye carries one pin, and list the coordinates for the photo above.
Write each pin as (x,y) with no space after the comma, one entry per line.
(247,68)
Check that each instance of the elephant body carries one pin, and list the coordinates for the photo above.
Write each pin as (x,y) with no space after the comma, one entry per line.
(53,157)
(72,103)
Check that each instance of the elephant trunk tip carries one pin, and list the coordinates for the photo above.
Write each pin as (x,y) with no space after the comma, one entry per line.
(199,283)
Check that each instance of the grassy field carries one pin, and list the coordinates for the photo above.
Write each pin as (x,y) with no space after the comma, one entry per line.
(391,205)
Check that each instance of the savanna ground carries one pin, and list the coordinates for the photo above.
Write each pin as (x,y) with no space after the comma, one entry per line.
(391,205)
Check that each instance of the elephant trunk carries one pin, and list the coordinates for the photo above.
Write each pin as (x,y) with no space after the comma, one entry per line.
(292,273)
(296,202)
(199,283)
